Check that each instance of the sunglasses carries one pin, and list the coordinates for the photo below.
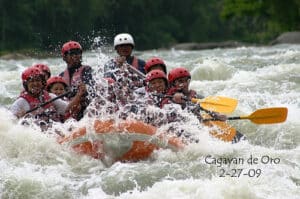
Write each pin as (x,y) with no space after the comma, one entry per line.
(74,52)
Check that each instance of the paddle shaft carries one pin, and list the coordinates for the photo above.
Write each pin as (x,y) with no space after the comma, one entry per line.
(236,118)
(139,73)
(228,118)
(48,102)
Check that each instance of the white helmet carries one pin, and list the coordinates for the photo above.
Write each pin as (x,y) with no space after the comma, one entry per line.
(123,38)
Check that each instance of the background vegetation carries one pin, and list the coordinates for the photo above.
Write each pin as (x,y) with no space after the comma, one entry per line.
(46,24)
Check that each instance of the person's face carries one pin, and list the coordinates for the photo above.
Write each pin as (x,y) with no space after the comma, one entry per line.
(73,57)
(157,85)
(58,89)
(157,67)
(124,50)
(182,83)
(35,86)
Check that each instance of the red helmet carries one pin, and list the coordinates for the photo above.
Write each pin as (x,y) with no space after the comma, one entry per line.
(69,46)
(43,68)
(155,61)
(30,73)
(178,73)
(155,74)
(56,79)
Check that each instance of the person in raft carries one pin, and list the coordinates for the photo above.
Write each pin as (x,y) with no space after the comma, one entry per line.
(77,74)
(153,63)
(124,45)
(125,67)
(34,95)
(179,81)
(156,85)
(58,86)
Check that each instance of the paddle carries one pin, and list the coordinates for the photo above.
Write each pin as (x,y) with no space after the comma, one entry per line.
(262,116)
(218,104)
(48,102)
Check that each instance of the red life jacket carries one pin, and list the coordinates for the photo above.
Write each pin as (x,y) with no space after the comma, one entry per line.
(135,62)
(76,78)
(74,82)
(46,112)
(34,102)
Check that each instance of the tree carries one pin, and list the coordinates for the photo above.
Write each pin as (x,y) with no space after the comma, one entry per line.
(261,20)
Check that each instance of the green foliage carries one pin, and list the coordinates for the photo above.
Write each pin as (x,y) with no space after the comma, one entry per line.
(46,24)
(264,19)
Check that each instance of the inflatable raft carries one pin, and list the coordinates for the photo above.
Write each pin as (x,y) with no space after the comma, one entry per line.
(130,140)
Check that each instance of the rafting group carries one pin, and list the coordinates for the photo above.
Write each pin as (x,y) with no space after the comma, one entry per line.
(128,98)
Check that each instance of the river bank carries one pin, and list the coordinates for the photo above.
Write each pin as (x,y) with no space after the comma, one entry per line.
(27,54)
(284,38)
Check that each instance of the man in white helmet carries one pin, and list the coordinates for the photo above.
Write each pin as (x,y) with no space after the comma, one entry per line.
(124,45)
(126,70)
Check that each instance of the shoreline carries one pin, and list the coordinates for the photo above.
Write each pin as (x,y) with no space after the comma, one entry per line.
(40,54)
(27,54)
(284,38)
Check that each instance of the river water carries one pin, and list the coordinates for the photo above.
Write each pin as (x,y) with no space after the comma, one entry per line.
(34,165)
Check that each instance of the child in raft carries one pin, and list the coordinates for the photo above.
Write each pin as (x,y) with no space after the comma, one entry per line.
(179,81)
(58,86)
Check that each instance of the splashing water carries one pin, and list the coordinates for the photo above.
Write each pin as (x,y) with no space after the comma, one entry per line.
(267,165)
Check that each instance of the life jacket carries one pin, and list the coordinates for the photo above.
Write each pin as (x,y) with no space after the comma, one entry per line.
(135,62)
(76,78)
(46,112)
(138,64)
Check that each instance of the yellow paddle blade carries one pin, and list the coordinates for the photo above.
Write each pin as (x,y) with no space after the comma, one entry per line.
(268,115)
(217,104)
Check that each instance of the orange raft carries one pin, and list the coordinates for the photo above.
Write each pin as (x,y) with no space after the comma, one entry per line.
(220,129)
(140,140)
(132,140)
